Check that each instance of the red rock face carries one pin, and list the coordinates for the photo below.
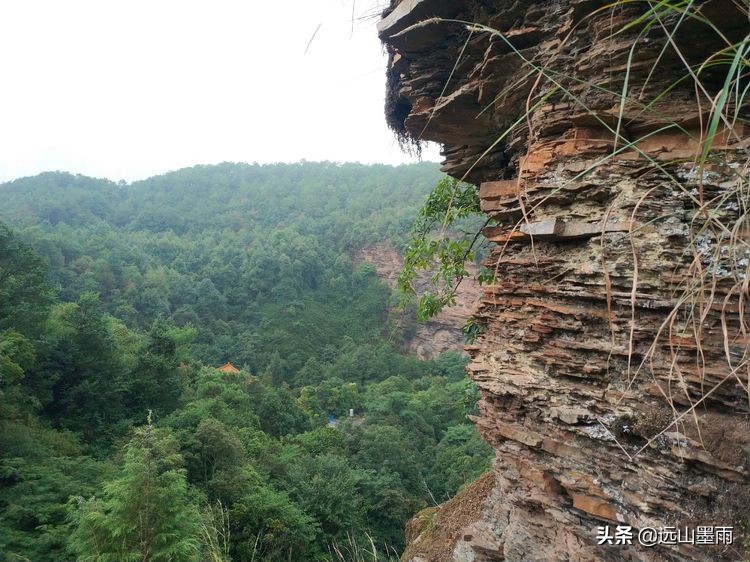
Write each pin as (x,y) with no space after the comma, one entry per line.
(614,366)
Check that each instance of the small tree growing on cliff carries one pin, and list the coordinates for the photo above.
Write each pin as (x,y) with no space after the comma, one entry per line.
(441,243)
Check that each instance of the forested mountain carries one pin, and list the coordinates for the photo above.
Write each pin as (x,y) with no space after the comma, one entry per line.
(117,300)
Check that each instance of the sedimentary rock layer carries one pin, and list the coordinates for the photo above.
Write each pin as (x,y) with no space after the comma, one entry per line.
(614,364)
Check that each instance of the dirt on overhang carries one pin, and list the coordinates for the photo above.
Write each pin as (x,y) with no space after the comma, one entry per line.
(432,534)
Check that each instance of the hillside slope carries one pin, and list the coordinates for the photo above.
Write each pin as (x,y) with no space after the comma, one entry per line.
(122,438)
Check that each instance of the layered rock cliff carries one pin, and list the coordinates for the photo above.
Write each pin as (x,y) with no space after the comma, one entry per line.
(614,368)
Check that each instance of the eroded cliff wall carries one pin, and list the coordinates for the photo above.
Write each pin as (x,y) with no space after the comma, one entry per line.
(614,370)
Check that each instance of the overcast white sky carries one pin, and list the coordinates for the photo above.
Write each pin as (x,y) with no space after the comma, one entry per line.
(131,88)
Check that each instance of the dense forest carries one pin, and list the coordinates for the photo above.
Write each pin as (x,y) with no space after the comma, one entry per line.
(119,437)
